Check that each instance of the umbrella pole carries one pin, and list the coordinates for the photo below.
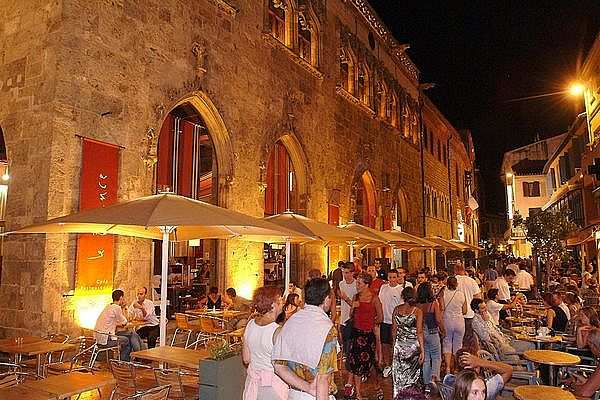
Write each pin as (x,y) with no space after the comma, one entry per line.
(166,230)
(288,251)
(351,244)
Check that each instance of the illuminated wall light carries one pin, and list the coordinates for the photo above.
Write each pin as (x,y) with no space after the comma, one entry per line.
(194,243)
(88,307)
(5,176)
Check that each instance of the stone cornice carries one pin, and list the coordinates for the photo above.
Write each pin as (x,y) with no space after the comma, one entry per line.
(396,50)
(276,44)
(224,6)
(353,100)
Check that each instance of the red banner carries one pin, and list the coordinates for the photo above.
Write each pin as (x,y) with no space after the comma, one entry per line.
(98,188)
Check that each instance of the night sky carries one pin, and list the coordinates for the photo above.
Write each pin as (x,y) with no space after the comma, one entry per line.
(486,53)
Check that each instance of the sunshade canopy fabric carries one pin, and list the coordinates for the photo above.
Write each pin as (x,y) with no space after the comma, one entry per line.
(407,241)
(448,244)
(365,235)
(143,217)
(310,227)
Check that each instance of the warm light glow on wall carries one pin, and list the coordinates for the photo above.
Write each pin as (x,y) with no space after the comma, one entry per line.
(509,200)
(89,305)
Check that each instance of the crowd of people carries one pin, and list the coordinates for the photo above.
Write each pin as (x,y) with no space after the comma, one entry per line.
(419,331)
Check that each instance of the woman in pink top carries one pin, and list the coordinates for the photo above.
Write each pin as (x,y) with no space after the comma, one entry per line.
(366,313)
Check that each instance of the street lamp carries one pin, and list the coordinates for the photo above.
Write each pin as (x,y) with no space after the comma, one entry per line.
(576,89)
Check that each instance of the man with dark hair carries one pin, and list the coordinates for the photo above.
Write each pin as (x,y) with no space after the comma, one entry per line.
(107,322)
(306,348)
(524,280)
(143,310)
(347,291)
(336,276)
(503,285)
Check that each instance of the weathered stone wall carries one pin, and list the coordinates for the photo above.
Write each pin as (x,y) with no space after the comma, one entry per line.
(111,70)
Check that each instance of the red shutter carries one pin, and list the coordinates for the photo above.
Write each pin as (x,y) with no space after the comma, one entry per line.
(333,215)
(282,177)
(184,169)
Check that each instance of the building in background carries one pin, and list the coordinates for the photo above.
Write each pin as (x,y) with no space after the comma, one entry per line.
(310,106)
(564,183)
(526,187)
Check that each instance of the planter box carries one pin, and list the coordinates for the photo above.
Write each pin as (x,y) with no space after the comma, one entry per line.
(223,379)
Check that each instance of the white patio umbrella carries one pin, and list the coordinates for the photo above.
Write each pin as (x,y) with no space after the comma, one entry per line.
(171,218)
(367,236)
(311,228)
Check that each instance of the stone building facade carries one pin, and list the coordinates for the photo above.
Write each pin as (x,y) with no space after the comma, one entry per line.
(323,83)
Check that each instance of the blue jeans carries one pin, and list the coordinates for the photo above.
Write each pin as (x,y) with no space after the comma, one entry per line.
(433,355)
(135,341)
(124,346)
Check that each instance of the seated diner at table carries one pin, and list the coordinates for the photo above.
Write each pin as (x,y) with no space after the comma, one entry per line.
(556,317)
(490,335)
(237,303)
(143,310)
(106,325)
(214,300)
(587,319)
(588,387)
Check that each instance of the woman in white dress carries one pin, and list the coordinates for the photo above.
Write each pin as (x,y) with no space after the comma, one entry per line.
(261,381)
(455,306)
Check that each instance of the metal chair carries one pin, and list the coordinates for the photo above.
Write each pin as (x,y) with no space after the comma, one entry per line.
(125,373)
(212,327)
(185,324)
(157,393)
(84,360)
(178,388)
(446,391)
(12,375)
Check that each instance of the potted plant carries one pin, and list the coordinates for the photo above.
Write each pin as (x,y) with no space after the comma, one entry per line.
(222,374)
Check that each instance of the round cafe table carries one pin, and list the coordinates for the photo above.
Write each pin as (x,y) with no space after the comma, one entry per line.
(541,392)
(539,341)
(553,359)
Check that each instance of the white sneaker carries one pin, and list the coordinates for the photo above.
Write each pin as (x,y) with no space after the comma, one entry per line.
(387,371)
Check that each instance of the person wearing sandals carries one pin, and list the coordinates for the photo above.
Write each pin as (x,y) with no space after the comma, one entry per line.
(407,331)
(261,381)
(366,313)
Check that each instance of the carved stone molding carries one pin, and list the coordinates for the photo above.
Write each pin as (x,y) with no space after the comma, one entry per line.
(276,44)
(191,85)
(353,100)
(262,177)
(226,7)
(199,50)
(150,144)
(396,49)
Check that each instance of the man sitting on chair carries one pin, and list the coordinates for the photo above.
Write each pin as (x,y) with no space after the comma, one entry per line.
(107,322)
(143,310)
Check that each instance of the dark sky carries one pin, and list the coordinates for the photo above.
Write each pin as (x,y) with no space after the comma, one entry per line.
(487,52)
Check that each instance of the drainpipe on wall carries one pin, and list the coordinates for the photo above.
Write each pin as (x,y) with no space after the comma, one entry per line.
(423,197)
(450,190)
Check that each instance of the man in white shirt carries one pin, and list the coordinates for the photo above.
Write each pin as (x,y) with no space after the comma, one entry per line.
(468,287)
(502,284)
(524,280)
(107,322)
(390,295)
(347,292)
(143,310)
(558,299)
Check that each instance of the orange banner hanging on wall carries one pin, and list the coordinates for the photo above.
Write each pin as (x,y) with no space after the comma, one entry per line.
(98,188)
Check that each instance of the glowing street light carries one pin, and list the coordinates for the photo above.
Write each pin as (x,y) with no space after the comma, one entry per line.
(576,89)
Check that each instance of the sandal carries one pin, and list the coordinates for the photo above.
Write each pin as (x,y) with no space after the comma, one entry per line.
(380,395)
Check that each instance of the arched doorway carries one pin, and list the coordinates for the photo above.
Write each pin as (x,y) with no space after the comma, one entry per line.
(285,190)
(365,210)
(188,165)
(366,200)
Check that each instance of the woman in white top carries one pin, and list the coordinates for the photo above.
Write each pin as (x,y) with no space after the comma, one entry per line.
(455,306)
(261,381)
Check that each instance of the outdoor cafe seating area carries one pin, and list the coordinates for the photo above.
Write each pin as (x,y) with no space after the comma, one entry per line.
(58,366)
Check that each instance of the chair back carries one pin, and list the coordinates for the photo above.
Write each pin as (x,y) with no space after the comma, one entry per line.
(124,374)
(9,379)
(182,321)
(87,352)
(172,378)
(157,393)
(446,391)
(58,337)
